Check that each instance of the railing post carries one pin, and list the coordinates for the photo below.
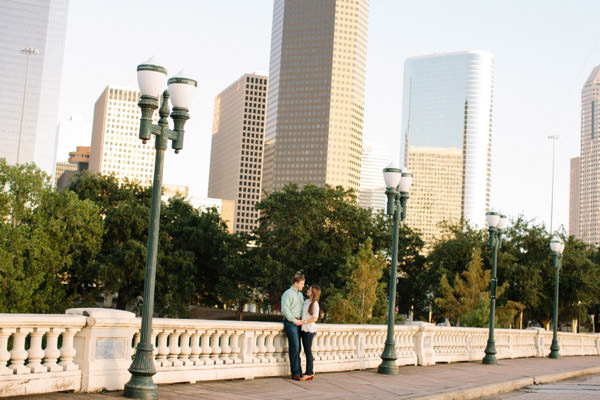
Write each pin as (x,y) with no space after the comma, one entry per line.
(424,343)
(102,349)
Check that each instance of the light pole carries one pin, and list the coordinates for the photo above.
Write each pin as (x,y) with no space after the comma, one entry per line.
(397,184)
(557,246)
(28,51)
(151,80)
(496,223)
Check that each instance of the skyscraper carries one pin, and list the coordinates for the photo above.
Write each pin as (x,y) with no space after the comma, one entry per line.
(574,199)
(313,131)
(30,79)
(447,119)
(372,187)
(116,148)
(589,189)
(237,148)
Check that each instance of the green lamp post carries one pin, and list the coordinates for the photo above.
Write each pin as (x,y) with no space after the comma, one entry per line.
(496,223)
(397,184)
(151,80)
(557,246)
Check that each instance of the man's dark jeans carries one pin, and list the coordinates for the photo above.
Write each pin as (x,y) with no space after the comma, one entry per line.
(307,339)
(293,334)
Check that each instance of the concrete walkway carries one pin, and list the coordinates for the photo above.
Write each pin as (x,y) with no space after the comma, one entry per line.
(469,380)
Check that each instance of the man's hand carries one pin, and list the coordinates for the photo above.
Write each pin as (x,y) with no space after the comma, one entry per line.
(298,322)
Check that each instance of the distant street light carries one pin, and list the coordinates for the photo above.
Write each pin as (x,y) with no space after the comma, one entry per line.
(151,80)
(557,246)
(397,184)
(28,51)
(496,223)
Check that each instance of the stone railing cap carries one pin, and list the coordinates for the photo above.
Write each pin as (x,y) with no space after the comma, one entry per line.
(100,312)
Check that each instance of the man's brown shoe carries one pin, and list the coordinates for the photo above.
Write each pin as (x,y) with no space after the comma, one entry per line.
(297,377)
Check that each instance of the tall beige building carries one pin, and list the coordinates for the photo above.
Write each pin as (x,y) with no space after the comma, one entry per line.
(237,148)
(436,194)
(574,200)
(589,189)
(116,148)
(313,131)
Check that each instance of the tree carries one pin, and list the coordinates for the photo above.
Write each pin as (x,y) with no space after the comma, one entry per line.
(45,237)
(413,287)
(354,304)
(467,301)
(314,230)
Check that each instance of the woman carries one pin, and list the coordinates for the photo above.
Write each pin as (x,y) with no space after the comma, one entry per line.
(310,314)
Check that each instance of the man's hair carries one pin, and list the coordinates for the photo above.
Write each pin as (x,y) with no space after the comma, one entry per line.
(298,276)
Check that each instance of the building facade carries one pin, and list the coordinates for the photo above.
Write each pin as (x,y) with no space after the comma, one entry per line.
(574,197)
(447,119)
(313,131)
(30,80)
(116,148)
(589,188)
(236,153)
(372,186)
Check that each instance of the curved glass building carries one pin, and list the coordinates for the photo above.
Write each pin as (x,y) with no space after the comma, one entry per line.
(447,130)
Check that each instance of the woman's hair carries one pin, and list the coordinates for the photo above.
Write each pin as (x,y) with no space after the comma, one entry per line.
(316,294)
(297,277)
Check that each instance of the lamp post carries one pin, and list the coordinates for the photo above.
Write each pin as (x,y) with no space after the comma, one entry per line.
(557,246)
(28,51)
(397,184)
(496,223)
(151,80)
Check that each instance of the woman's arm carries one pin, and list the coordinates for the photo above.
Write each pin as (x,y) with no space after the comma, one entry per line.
(315,313)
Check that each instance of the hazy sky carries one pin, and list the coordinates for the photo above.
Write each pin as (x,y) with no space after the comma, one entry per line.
(544,52)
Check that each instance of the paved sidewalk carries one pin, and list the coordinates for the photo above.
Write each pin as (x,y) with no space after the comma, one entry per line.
(467,380)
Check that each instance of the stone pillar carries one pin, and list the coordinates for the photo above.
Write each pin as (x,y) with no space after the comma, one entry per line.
(424,343)
(104,348)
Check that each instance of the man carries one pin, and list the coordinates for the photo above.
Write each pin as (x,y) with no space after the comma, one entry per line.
(291,308)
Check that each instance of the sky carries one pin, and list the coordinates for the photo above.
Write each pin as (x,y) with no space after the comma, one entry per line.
(544,52)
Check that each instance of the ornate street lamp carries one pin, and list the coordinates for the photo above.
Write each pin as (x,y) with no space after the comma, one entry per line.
(496,223)
(397,184)
(151,80)
(557,246)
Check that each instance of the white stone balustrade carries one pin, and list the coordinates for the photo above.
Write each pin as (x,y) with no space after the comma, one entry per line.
(91,349)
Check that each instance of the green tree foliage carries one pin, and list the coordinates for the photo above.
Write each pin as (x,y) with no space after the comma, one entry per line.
(354,303)
(46,238)
(466,301)
(413,287)
(314,229)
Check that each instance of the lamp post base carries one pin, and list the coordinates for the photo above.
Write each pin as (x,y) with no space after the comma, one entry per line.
(388,364)
(141,385)
(490,354)
(554,351)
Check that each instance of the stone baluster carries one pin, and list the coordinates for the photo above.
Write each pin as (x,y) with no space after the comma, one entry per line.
(18,354)
(195,348)
(35,352)
(226,348)
(205,353)
(329,346)
(163,350)
(153,340)
(261,349)
(351,344)
(270,346)
(215,351)
(235,347)
(279,341)
(52,353)
(135,341)
(174,348)
(4,353)
(316,349)
(67,350)
(184,348)
(337,351)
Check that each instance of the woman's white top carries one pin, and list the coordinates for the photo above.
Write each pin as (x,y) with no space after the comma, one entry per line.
(312,327)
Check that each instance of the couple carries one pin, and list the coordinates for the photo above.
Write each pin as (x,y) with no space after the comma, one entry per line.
(299,317)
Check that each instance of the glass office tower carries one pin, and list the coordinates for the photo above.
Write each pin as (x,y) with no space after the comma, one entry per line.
(447,118)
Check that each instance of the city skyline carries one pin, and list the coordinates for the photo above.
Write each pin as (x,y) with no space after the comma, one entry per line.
(530,54)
